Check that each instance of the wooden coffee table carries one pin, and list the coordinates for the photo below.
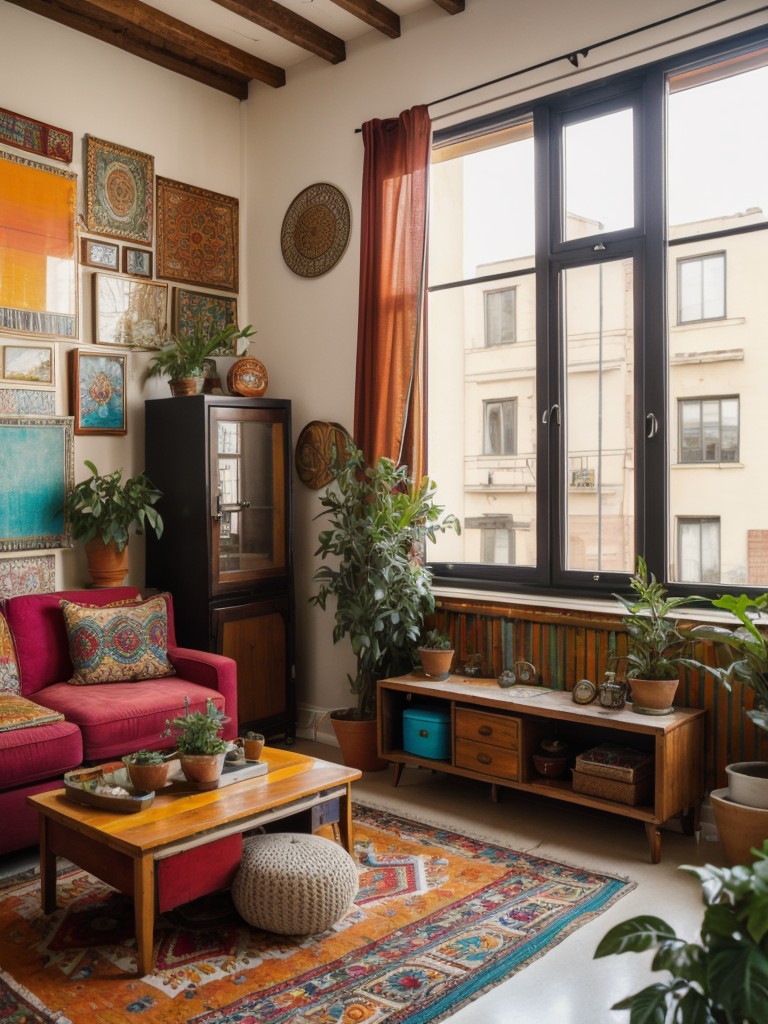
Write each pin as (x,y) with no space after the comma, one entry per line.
(122,849)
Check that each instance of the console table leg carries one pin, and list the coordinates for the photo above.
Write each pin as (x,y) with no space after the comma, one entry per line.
(653,835)
(397,771)
(345,822)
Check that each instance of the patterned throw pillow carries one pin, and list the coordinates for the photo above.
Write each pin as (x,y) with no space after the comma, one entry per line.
(9,667)
(118,644)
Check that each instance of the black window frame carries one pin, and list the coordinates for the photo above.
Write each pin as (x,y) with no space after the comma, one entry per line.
(646,243)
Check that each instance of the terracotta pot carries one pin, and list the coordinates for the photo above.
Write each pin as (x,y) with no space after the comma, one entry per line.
(107,566)
(148,776)
(653,696)
(358,741)
(186,386)
(740,827)
(252,747)
(204,768)
(435,663)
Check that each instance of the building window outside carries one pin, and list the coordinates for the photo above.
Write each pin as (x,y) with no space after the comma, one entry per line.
(500,313)
(709,429)
(701,288)
(498,547)
(500,434)
(698,542)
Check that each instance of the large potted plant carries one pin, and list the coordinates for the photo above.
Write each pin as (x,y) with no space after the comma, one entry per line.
(198,739)
(657,646)
(741,809)
(723,978)
(182,359)
(102,510)
(379,521)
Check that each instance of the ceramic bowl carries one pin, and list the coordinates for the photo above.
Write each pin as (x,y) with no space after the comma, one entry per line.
(549,766)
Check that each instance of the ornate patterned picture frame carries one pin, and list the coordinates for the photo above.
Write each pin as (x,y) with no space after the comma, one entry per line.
(32,574)
(35,136)
(97,392)
(137,262)
(118,191)
(36,465)
(94,252)
(28,365)
(197,236)
(212,313)
(128,312)
(38,286)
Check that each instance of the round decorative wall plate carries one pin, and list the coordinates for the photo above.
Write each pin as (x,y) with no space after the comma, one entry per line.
(248,377)
(321,447)
(315,230)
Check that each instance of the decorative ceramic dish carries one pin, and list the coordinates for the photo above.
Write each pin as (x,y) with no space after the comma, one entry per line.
(91,788)
(248,377)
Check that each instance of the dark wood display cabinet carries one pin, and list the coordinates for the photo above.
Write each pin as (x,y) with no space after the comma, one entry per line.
(223,465)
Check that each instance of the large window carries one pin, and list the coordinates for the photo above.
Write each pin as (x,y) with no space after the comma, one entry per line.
(594,230)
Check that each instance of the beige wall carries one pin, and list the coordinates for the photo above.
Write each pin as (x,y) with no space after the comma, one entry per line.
(295,136)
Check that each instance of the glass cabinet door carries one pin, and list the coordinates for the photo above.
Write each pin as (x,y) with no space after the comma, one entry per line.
(248,496)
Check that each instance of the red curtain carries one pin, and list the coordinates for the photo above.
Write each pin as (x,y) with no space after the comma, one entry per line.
(390,375)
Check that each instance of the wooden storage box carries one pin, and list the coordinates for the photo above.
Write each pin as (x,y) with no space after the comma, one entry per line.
(609,761)
(631,793)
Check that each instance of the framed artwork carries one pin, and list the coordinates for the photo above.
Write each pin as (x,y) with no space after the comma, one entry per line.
(197,236)
(137,261)
(211,313)
(28,364)
(128,312)
(35,136)
(38,286)
(36,465)
(27,402)
(104,255)
(33,574)
(97,392)
(118,191)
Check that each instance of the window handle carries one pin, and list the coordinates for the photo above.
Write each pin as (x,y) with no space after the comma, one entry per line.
(653,425)
(553,413)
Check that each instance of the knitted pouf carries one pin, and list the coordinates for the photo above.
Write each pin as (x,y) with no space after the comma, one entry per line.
(294,884)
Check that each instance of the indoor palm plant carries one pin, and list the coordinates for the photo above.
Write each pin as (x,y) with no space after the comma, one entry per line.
(379,521)
(182,359)
(657,646)
(198,739)
(723,978)
(102,510)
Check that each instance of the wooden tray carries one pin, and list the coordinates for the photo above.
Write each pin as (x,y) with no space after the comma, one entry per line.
(82,791)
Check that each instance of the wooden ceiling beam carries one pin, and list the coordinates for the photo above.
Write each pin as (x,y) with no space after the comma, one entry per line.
(374,14)
(452,6)
(289,26)
(148,33)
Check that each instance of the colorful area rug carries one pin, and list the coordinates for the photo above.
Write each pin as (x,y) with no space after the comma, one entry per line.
(439,918)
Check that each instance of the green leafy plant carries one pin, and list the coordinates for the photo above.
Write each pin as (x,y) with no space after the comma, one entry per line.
(197,732)
(145,757)
(380,521)
(723,978)
(185,354)
(656,646)
(434,640)
(747,648)
(108,507)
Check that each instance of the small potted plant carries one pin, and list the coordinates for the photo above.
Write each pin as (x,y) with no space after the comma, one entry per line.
(435,652)
(147,769)
(656,645)
(183,357)
(198,738)
(721,978)
(102,510)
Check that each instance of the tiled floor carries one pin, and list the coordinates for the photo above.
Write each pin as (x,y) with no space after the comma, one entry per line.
(566,986)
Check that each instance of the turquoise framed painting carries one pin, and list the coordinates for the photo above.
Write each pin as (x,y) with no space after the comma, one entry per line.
(36,466)
(97,392)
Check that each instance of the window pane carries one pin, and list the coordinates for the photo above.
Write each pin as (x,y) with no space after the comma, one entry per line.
(699,546)
(599,352)
(500,317)
(599,175)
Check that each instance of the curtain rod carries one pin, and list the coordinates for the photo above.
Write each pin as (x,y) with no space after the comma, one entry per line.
(573,56)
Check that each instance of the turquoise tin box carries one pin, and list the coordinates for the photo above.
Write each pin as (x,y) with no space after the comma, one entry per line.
(427,732)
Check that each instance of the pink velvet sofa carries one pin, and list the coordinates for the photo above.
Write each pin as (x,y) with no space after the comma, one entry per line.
(101,722)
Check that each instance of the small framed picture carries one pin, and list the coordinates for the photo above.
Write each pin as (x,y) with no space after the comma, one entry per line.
(28,364)
(104,255)
(129,312)
(137,261)
(97,392)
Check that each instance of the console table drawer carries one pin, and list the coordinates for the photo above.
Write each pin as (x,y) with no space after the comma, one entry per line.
(487,759)
(496,730)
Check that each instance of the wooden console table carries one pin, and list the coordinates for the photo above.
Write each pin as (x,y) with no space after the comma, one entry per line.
(494,732)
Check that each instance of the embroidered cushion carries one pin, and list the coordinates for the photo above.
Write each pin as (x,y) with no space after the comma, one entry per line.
(118,644)
(9,667)
(19,713)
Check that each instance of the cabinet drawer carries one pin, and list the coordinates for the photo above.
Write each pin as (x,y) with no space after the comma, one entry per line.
(496,730)
(487,759)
